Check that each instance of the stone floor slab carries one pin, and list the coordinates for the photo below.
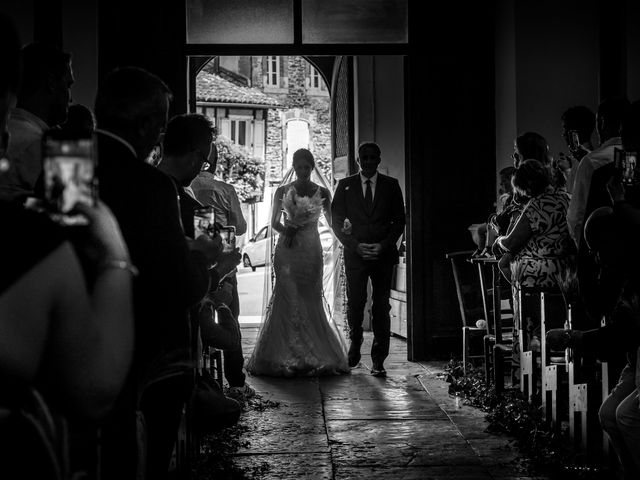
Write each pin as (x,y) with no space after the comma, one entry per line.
(398,409)
(346,472)
(311,466)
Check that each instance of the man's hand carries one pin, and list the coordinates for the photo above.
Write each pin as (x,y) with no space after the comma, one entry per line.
(211,248)
(565,162)
(227,262)
(223,294)
(369,251)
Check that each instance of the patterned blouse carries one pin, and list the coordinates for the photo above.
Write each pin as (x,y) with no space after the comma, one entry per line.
(548,253)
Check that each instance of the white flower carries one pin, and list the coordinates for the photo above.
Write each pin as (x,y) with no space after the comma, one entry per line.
(302,210)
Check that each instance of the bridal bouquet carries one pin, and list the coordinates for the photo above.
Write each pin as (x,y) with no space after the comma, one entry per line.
(300,211)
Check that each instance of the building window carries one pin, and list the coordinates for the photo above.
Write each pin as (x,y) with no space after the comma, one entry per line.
(316,79)
(273,71)
(239,132)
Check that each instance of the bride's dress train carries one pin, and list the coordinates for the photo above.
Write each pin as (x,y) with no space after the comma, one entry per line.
(296,338)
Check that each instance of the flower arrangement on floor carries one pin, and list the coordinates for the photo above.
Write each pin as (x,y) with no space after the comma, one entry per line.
(510,413)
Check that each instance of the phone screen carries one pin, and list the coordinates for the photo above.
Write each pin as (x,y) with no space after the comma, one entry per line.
(228,235)
(629,168)
(575,139)
(69,162)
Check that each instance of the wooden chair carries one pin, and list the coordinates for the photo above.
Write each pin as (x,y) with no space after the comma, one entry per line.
(578,396)
(498,342)
(470,303)
(554,367)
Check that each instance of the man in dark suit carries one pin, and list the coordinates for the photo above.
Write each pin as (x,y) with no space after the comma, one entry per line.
(368,218)
(131,111)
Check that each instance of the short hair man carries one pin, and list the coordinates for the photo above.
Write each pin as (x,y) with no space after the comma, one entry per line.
(43,102)
(577,121)
(226,205)
(186,146)
(131,111)
(590,190)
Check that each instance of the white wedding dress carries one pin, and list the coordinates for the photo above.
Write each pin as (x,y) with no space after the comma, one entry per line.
(297,338)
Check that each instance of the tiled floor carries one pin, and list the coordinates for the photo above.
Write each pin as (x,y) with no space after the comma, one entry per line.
(357,426)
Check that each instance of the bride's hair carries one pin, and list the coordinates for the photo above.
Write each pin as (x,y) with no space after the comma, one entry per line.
(304,154)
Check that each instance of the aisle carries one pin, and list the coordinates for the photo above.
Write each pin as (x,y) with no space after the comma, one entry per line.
(362,427)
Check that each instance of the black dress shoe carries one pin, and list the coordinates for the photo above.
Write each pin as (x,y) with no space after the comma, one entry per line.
(377,370)
(354,353)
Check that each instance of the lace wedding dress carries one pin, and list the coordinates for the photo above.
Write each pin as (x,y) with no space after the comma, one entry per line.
(297,338)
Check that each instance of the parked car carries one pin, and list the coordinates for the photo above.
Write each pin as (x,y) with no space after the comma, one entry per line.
(254,251)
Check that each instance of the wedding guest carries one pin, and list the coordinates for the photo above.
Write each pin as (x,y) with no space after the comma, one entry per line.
(595,169)
(590,192)
(606,234)
(131,111)
(538,250)
(43,101)
(578,123)
(226,206)
(61,337)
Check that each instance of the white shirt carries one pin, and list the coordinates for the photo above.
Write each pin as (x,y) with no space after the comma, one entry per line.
(594,160)
(373,180)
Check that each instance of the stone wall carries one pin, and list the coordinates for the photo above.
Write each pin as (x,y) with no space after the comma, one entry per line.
(315,109)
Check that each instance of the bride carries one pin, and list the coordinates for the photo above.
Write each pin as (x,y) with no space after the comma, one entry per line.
(297,338)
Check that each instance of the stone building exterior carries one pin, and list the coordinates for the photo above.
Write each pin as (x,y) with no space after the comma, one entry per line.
(270,105)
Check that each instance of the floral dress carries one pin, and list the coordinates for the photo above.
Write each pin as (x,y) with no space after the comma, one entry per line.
(543,262)
(545,257)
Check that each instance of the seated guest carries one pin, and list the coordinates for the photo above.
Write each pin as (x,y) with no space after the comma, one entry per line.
(70,342)
(131,111)
(619,296)
(590,192)
(529,145)
(578,124)
(487,232)
(538,250)
(42,103)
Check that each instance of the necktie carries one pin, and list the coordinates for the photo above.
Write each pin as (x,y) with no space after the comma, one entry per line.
(368,195)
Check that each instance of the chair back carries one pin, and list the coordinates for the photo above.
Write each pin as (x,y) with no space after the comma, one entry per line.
(467,285)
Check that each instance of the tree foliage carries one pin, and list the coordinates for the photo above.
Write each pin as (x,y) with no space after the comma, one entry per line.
(237,167)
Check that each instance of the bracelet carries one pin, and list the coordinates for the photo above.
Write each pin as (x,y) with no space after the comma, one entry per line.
(119,264)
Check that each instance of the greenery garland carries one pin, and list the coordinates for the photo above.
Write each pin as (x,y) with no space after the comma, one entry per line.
(510,413)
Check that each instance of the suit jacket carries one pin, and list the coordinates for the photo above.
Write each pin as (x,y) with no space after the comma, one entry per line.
(144,200)
(383,223)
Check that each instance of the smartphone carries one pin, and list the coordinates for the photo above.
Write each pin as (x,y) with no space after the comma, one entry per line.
(574,138)
(625,166)
(629,170)
(203,221)
(228,235)
(69,162)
